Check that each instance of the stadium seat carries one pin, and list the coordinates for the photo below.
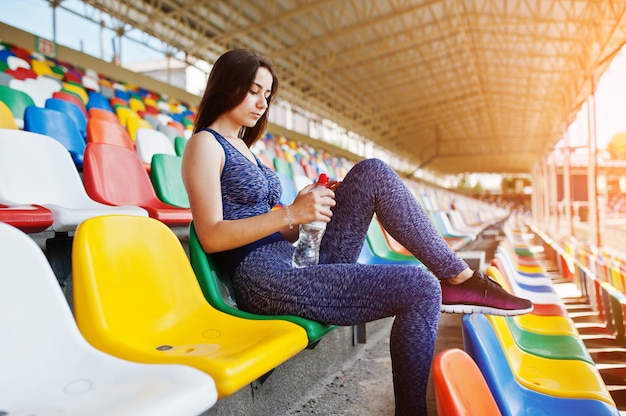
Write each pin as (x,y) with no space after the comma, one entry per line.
(135,123)
(218,291)
(167,180)
(282,166)
(72,110)
(179,145)
(136,104)
(78,89)
(554,377)
(90,83)
(49,368)
(98,100)
(546,345)
(124,114)
(71,97)
(520,399)
(42,68)
(170,131)
(394,244)
(149,142)
(40,171)
(99,130)
(114,175)
(17,101)
(5,79)
(367,256)
(136,297)
(459,386)
(7,121)
(39,89)
(378,243)
(102,114)
(60,127)
(289,189)
(28,218)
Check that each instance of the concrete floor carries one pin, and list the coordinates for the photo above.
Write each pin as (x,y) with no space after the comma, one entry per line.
(365,387)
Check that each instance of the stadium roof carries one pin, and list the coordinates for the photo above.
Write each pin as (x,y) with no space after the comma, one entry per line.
(453,85)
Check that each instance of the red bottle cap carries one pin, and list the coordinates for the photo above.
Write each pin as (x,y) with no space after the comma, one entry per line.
(322,180)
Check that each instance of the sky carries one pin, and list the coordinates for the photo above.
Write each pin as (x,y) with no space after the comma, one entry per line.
(35,16)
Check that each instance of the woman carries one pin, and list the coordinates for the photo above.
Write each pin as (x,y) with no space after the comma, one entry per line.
(232,195)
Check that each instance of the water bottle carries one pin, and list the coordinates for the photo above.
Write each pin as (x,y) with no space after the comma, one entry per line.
(307,252)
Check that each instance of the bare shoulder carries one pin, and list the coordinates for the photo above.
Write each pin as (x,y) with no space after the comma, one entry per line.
(203,154)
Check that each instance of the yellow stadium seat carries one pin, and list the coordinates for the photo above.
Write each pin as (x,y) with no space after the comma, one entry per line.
(560,378)
(134,123)
(7,121)
(78,90)
(136,297)
(136,104)
(125,113)
(549,325)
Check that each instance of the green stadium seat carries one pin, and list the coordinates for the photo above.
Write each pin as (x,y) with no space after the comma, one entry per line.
(218,291)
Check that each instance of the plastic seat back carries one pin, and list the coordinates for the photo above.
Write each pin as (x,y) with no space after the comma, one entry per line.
(17,101)
(170,131)
(179,145)
(71,97)
(7,121)
(72,110)
(218,291)
(114,175)
(136,297)
(43,349)
(134,123)
(167,180)
(78,89)
(36,169)
(513,398)
(289,189)
(459,386)
(98,100)
(150,142)
(39,89)
(60,127)
(100,130)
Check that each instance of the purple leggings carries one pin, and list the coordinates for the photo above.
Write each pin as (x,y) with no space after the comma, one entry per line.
(339,291)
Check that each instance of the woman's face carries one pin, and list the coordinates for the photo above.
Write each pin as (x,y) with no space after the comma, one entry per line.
(253,106)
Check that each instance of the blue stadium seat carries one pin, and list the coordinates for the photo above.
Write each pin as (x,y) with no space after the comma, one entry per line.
(60,127)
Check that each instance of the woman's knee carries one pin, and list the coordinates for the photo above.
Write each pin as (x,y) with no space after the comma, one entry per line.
(420,286)
(370,166)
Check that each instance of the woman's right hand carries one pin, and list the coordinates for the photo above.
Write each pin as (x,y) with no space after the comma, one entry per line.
(313,203)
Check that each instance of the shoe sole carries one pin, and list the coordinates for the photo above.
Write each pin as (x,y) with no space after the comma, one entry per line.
(484,310)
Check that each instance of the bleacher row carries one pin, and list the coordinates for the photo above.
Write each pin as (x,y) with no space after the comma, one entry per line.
(537,363)
(77,147)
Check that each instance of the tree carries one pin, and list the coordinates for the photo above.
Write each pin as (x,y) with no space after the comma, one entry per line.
(617,146)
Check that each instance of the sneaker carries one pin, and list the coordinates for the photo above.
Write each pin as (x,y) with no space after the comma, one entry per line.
(481,294)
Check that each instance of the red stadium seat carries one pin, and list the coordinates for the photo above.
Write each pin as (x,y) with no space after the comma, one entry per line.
(114,175)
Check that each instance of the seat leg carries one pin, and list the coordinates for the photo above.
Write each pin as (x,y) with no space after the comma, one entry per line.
(59,254)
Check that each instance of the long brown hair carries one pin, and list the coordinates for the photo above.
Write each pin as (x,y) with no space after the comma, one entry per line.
(229,82)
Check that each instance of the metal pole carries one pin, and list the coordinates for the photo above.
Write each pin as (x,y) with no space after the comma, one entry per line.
(592,171)
(567,186)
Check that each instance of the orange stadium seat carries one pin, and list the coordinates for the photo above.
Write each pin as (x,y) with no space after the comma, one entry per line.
(100,130)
